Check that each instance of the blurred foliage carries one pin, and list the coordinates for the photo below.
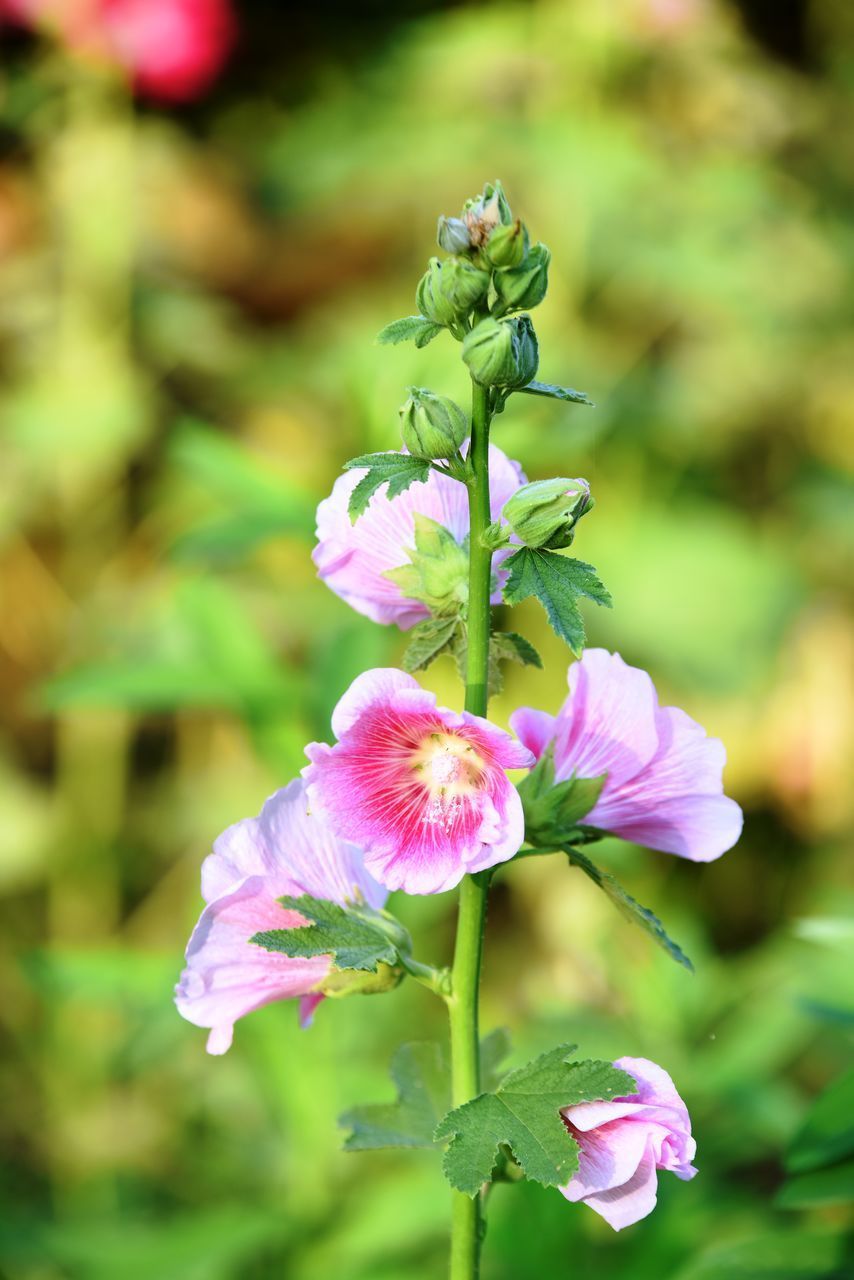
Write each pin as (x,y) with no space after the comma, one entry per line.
(187,308)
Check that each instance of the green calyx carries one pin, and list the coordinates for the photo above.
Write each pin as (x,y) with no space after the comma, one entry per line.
(507,246)
(553,809)
(545,512)
(432,426)
(523,285)
(448,291)
(437,574)
(502,353)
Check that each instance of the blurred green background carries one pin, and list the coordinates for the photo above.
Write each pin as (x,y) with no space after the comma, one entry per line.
(188,300)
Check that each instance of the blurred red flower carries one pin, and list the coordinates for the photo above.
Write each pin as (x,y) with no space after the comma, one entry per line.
(171,49)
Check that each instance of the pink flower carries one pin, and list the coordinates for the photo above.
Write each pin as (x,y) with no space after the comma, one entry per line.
(353,558)
(664,785)
(282,851)
(623,1142)
(421,789)
(171,49)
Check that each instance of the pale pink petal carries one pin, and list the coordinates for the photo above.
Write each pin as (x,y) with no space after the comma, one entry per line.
(353,559)
(307,1006)
(608,722)
(535,729)
(606,1158)
(624,1205)
(378,685)
(228,976)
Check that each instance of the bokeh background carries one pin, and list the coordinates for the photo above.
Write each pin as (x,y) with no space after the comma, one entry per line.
(192,271)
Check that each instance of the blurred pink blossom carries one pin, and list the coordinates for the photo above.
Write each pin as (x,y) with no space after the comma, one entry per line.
(624,1142)
(284,850)
(664,784)
(420,788)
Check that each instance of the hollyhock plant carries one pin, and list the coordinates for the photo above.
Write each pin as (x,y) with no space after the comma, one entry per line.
(415,796)
(355,560)
(663,775)
(625,1141)
(422,789)
(284,850)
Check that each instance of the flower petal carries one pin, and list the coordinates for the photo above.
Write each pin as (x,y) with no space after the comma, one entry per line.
(535,729)
(608,723)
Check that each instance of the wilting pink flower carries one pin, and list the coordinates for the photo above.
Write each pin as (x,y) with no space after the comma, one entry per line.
(171,49)
(624,1142)
(282,851)
(421,789)
(664,785)
(352,558)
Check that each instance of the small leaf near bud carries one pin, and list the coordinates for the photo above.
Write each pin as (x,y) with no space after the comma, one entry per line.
(522,287)
(453,235)
(432,426)
(545,513)
(508,245)
(449,290)
(502,353)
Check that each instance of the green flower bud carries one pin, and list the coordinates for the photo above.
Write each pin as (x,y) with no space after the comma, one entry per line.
(486,212)
(502,353)
(448,290)
(544,513)
(432,426)
(453,235)
(508,244)
(522,287)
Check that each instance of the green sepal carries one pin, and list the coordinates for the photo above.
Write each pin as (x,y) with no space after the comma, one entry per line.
(629,907)
(428,641)
(523,1115)
(422,1078)
(398,470)
(417,329)
(554,809)
(437,574)
(568,394)
(356,936)
(557,582)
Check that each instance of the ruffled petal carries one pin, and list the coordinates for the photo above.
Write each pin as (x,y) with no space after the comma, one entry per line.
(534,729)
(621,1206)
(608,722)
(376,686)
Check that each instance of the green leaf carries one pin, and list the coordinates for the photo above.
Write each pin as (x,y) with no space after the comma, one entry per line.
(523,1114)
(428,640)
(420,1074)
(628,907)
(833,1185)
(780,1255)
(422,1078)
(557,393)
(398,470)
(415,328)
(509,646)
(557,582)
(356,936)
(827,1134)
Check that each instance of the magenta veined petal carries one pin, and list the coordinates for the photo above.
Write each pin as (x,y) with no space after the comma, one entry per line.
(284,850)
(623,1143)
(664,775)
(352,559)
(422,789)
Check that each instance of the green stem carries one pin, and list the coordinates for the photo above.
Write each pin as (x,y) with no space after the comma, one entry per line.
(466,1227)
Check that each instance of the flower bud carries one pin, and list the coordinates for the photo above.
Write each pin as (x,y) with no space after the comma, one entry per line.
(522,287)
(486,212)
(502,353)
(453,235)
(508,244)
(544,513)
(432,426)
(449,289)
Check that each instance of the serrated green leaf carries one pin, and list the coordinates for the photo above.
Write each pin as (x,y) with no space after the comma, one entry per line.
(557,393)
(557,582)
(510,646)
(629,907)
(398,470)
(523,1114)
(356,936)
(427,641)
(421,1076)
(415,328)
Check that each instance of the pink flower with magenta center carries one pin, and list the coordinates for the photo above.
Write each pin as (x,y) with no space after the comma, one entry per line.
(282,851)
(422,789)
(353,559)
(664,784)
(624,1142)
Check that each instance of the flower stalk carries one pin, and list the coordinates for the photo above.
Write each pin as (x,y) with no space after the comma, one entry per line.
(466,1222)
